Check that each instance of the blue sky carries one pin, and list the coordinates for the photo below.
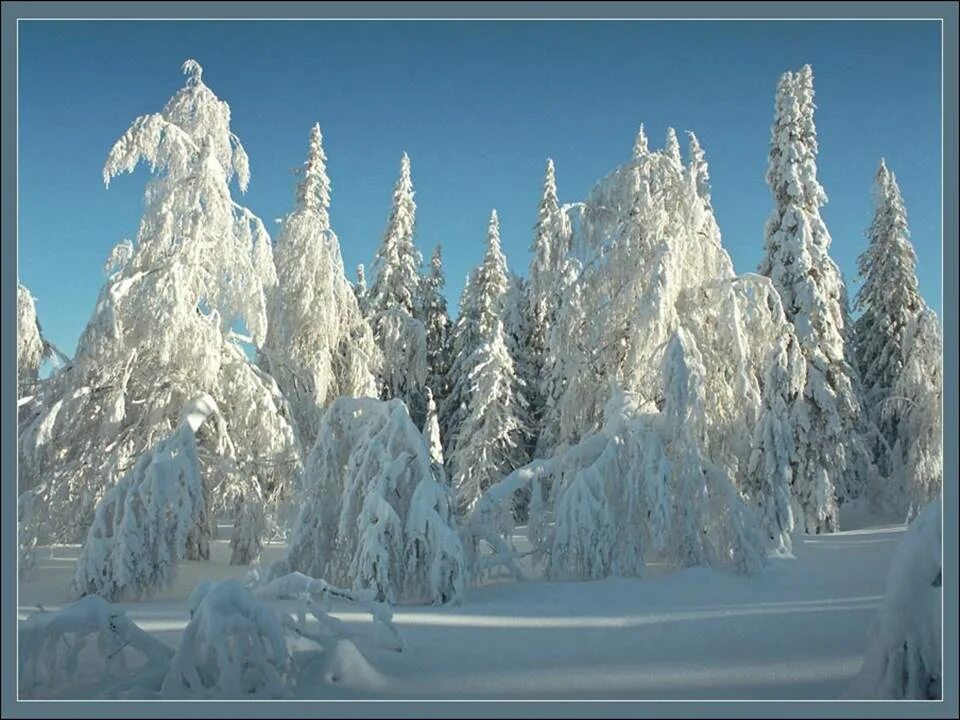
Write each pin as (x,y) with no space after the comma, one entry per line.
(479,106)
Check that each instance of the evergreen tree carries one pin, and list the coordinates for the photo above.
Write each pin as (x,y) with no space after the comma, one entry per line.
(829,451)
(672,148)
(396,308)
(481,306)
(641,146)
(916,400)
(437,321)
(551,235)
(318,345)
(890,301)
(361,291)
(489,440)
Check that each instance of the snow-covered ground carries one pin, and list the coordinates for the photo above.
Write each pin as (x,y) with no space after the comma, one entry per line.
(797,630)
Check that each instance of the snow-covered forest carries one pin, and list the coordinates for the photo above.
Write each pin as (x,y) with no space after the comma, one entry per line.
(323,456)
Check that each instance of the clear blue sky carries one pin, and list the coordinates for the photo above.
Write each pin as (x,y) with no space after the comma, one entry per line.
(479,106)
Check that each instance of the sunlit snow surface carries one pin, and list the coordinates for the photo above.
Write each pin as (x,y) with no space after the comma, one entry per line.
(798,630)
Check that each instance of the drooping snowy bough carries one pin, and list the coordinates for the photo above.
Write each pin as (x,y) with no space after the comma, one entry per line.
(904,660)
(377,513)
(163,331)
(51,645)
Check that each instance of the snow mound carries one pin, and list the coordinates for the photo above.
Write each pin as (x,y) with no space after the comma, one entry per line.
(345,665)
(904,659)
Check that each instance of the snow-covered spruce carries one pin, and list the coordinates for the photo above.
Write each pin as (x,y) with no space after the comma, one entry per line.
(361,291)
(318,345)
(30,345)
(898,354)
(518,330)
(377,512)
(437,321)
(903,661)
(50,645)
(142,526)
(832,461)
(551,238)
(396,305)
(917,398)
(162,332)
(489,442)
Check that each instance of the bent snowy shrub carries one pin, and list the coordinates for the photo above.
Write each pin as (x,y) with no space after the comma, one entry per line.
(51,645)
(234,647)
(142,526)
(377,513)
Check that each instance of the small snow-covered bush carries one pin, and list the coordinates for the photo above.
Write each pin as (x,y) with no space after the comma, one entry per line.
(233,647)
(142,526)
(377,513)
(51,644)
(904,660)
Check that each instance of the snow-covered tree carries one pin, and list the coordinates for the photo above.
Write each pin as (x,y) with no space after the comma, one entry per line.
(437,320)
(551,237)
(672,148)
(142,526)
(770,483)
(396,305)
(904,658)
(641,145)
(50,646)
(318,345)
(712,525)
(163,331)
(488,440)
(233,647)
(890,300)
(30,345)
(646,236)
(481,307)
(377,512)
(642,487)
(831,456)
(917,399)
(518,330)
(431,431)
(361,291)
